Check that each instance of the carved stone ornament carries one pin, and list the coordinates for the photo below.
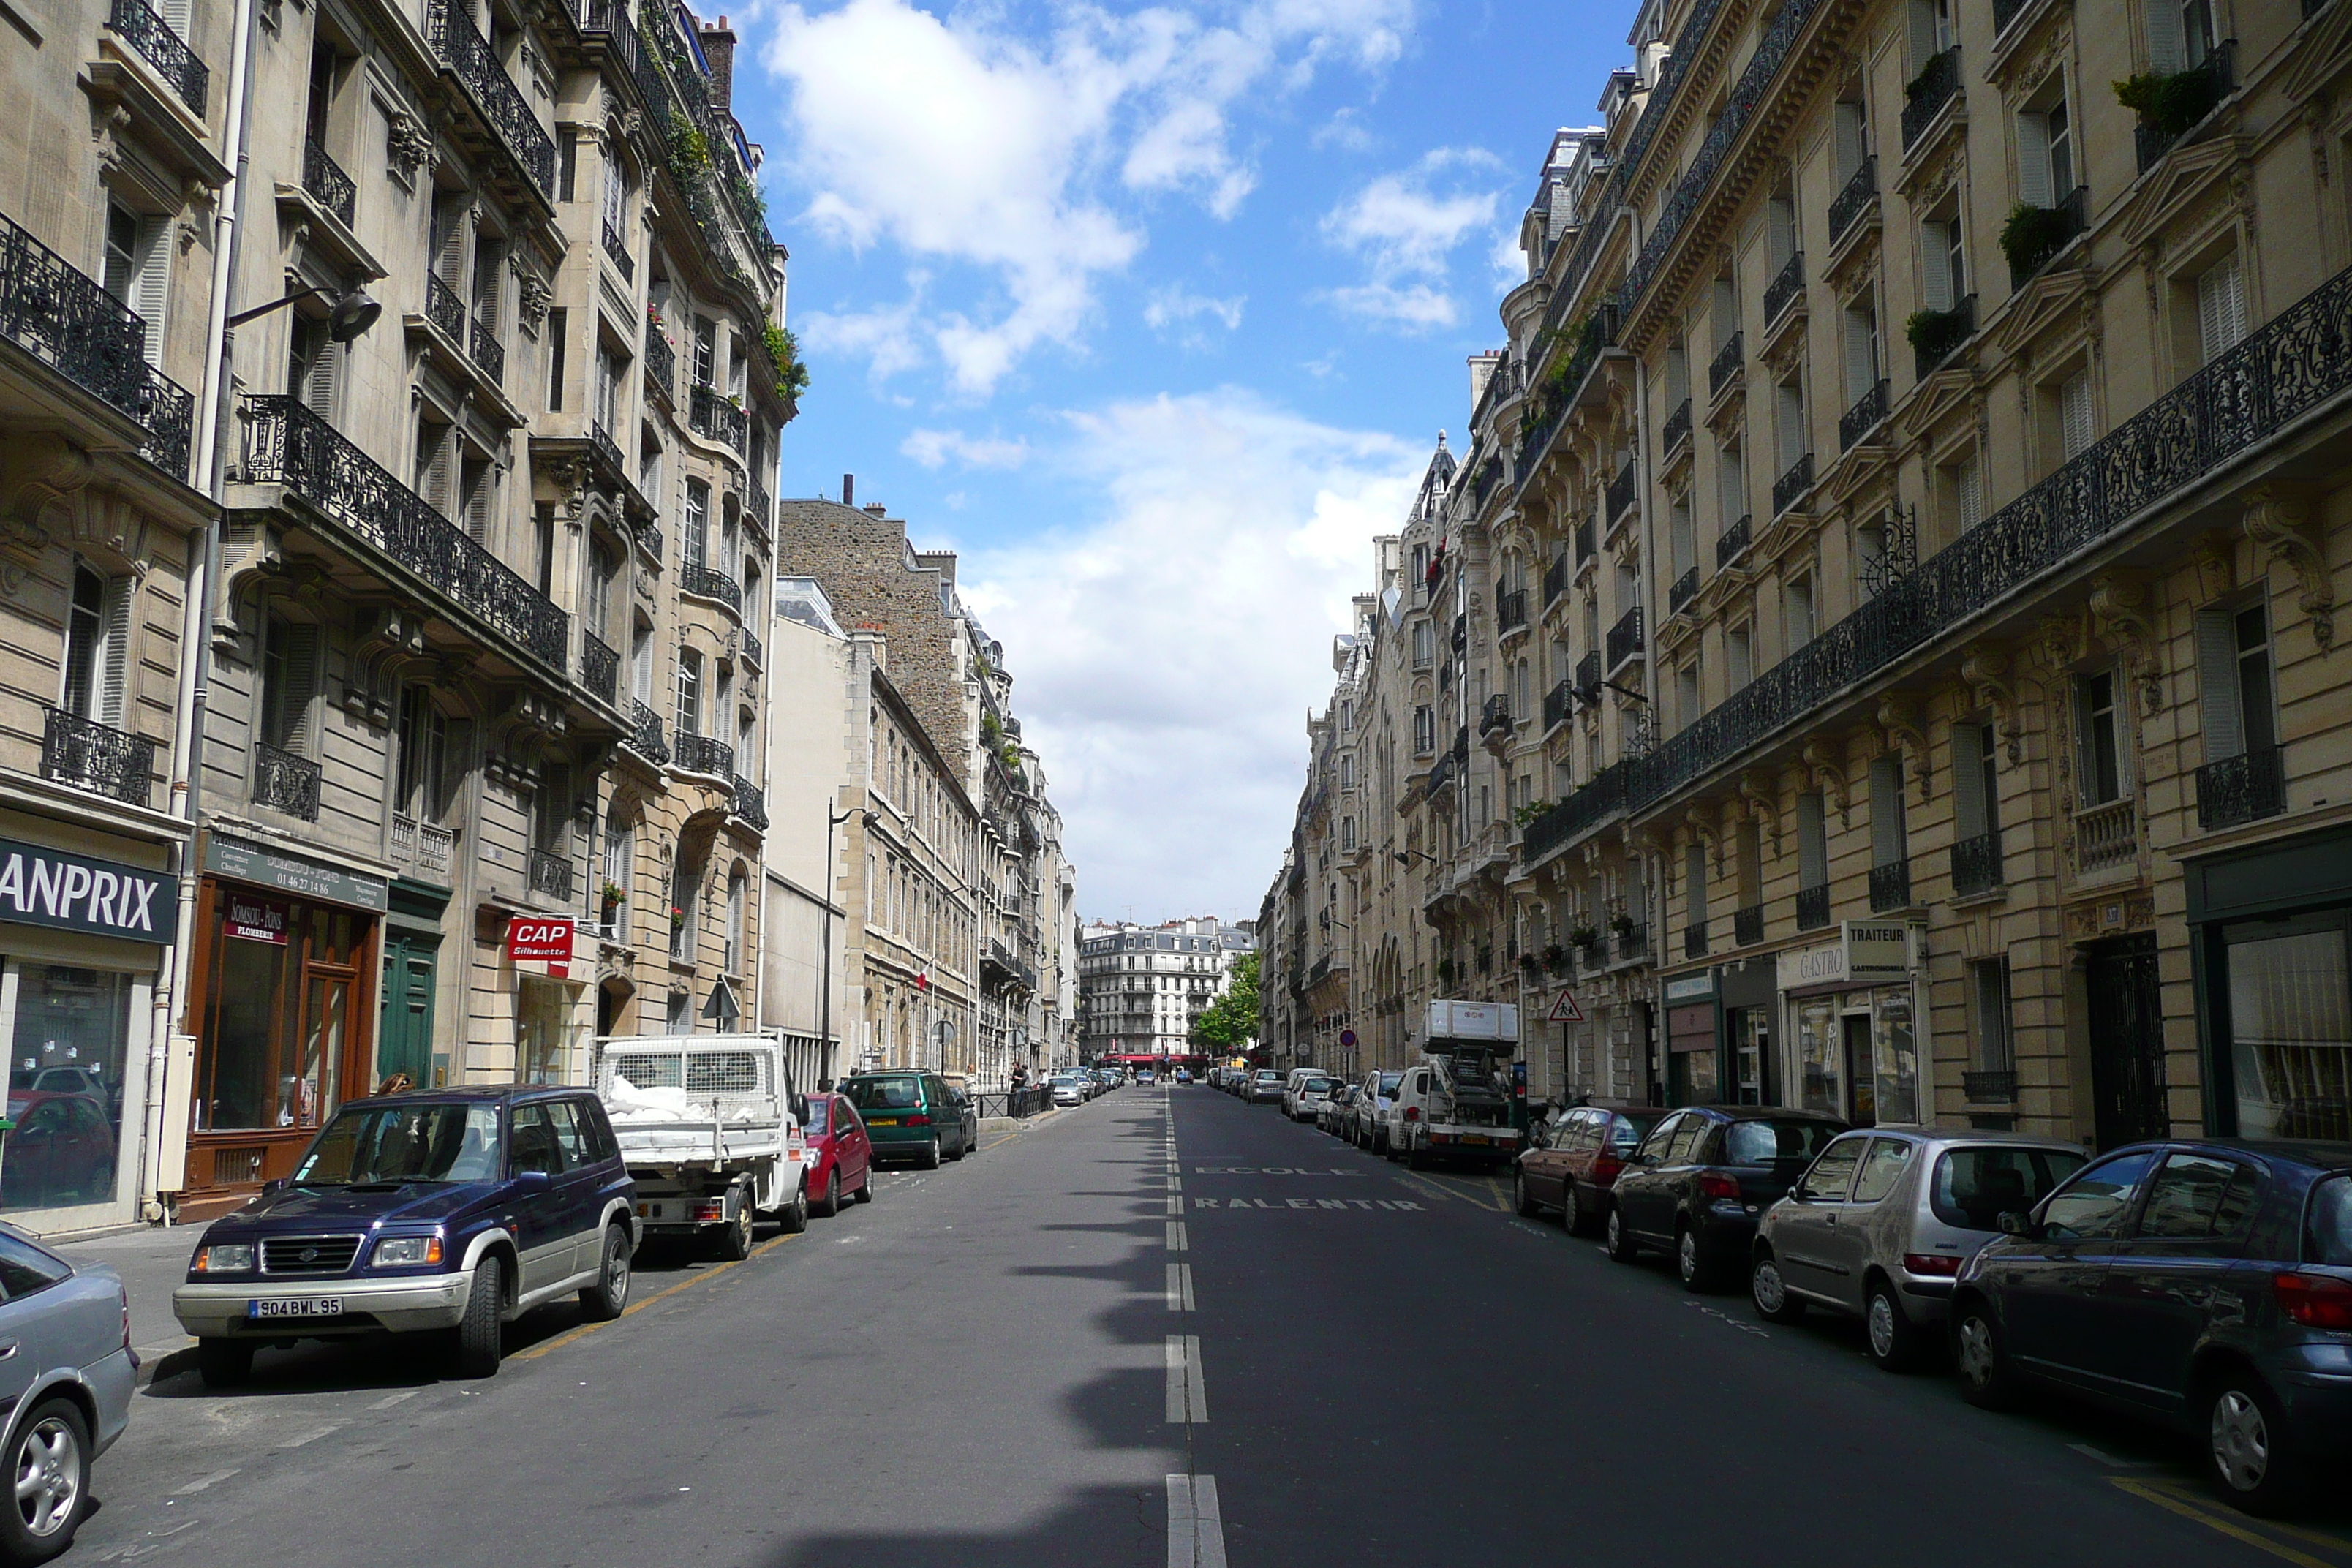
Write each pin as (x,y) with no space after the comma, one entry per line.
(2216,560)
(38,475)
(532,297)
(408,143)
(2281,523)
(389,643)
(1828,777)
(1763,805)
(2118,606)
(1904,732)
(1985,670)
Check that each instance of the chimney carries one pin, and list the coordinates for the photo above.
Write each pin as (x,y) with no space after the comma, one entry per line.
(719,49)
(849,489)
(875,509)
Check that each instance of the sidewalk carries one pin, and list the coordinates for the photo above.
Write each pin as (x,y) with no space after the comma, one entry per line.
(152,1261)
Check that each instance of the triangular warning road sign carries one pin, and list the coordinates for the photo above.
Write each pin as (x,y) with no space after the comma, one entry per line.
(1565,1010)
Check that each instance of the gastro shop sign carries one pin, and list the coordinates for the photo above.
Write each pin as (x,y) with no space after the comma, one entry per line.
(543,938)
(1866,954)
(50,888)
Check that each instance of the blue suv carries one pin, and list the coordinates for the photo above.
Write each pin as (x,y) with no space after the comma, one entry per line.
(455,1209)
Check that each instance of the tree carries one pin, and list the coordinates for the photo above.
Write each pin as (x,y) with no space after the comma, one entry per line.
(1230,1023)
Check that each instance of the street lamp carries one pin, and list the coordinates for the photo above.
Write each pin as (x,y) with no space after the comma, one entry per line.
(354,311)
(825,954)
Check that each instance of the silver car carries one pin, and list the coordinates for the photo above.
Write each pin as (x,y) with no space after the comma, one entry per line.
(1880,1222)
(67,1374)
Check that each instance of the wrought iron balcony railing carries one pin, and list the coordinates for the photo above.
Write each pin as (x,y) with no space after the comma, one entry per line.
(1814,907)
(1630,943)
(2243,788)
(327,185)
(485,350)
(607,448)
(1625,637)
(1619,497)
(1890,887)
(1988,1087)
(1854,199)
(1748,925)
(617,249)
(611,17)
(1793,485)
(709,582)
(600,668)
(750,803)
(1588,676)
(1867,413)
(1937,335)
(1557,706)
(1975,865)
(1732,543)
(1694,941)
(63,319)
(1582,535)
(1677,429)
(146,31)
(1786,285)
(644,736)
(1557,393)
(1936,85)
(289,444)
(445,309)
(713,417)
(2048,232)
(661,363)
(1511,610)
(470,58)
(762,508)
(285,782)
(1685,589)
(1727,363)
(1494,714)
(550,875)
(705,754)
(1555,579)
(97,757)
(1603,796)
(2202,88)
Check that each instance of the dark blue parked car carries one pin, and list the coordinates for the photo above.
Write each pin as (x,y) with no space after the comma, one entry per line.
(436,1210)
(2207,1284)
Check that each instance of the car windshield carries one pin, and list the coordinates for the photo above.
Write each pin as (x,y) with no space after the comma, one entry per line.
(1974,1187)
(1627,1131)
(369,1144)
(1389,1081)
(1316,1086)
(819,1117)
(904,1093)
(1267,1077)
(1763,1142)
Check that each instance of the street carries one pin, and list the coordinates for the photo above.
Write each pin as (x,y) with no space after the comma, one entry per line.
(1083,1345)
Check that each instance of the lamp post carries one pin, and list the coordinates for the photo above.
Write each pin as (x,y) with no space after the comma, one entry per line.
(824,955)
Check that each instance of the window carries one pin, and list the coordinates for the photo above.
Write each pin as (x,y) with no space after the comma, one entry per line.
(559,322)
(1861,349)
(1881,1168)
(694,537)
(1739,657)
(607,411)
(1813,843)
(422,779)
(736,882)
(2045,151)
(1989,999)
(2074,418)
(2094,1204)
(706,351)
(1788,423)
(1695,889)
(1799,625)
(1832,1175)
(1976,780)
(1972,1188)
(618,869)
(2221,308)
(689,693)
(98,646)
(25,1269)
(1731,480)
(2179,34)
(2235,708)
(479,478)
(1851,133)
(1424,643)
(313,360)
(567,166)
(289,677)
(684,888)
(2102,739)
(1683,537)
(138,269)
(1962,488)
(2198,1197)
(641,663)
(1889,844)
(1686,696)
(1424,730)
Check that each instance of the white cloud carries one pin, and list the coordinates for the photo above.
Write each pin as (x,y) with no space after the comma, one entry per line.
(1168,651)
(1188,313)
(933,448)
(955,142)
(1404,227)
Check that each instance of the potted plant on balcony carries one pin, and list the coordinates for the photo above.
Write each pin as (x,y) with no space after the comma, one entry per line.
(1585,937)
(1934,334)
(1445,972)
(1555,959)
(2032,236)
(2169,102)
(1527,963)
(1621,923)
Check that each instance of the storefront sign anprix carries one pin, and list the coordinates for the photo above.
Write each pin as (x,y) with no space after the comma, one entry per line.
(1866,952)
(310,878)
(46,887)
(253,919)
(541,938)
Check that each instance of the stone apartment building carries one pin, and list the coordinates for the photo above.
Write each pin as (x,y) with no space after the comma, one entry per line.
(453,443)
(1952,720)
(1143,987)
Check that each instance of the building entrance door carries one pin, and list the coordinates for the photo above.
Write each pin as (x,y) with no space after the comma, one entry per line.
(1861,1071)
(404,1041)
(2127,1018)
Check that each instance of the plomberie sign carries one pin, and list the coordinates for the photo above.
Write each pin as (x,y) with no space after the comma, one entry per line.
(72,892)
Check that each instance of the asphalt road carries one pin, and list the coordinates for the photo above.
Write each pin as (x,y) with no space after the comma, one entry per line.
(1163,1329)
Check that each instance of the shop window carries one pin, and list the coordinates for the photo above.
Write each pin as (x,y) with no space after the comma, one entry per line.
(68,1046)
(276,1047)
(97,645)
(2101,724)
(543,1030)
(2288,999)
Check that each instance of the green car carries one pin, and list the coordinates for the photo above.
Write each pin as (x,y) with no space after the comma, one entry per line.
(913,1116)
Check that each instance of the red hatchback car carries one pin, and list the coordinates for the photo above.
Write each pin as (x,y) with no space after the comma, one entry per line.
(840,1154)
(1577,1164)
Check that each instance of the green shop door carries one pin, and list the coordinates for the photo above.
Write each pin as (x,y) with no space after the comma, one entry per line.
(404,1042)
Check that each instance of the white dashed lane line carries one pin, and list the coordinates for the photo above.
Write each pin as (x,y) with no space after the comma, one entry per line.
(1180,1287)
(1188,1394)
(1196,1531)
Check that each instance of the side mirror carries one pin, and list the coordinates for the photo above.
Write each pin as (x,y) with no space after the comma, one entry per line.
(800,1107)
(275,1185)
(2015,1224)
(528,1182)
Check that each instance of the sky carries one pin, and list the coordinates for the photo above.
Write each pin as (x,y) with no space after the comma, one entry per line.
(1154,314)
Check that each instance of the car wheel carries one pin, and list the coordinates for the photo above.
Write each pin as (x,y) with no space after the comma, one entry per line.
(1618,1239)
(1892,1338)
(865,1187)
(964,1145)
(830,1204)
(1572,1218)
(1691,1265)
(1521,1197)
(51,1461)
(735,1235)
(793,1216)
(224,1364)
(2250,1447)
(609,1297)
(479,1333)
(1987,1379)
(1768,1291)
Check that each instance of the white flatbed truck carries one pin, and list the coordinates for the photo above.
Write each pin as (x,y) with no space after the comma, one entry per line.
(706,1126)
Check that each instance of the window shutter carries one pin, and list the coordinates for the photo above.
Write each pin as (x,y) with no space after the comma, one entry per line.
(301,684)
(478,505)
(1969,480)
(1694,891)
(436,466)
(450,248)
(1886,836)
(1783,215)
(1850,144)
(318,380)
(1935,253)
(1923,34)
(2219,714)
(2074,412)
(151,284)
(456,744)
(1861,357)
(1790,423)
(2033,160)
(177,12)
(1813,842)
(1968,780)
(2221,308)
(114,655)
(2168,44)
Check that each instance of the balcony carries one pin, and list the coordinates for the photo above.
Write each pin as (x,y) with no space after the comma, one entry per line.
(462,48)
(1588,676)
(86,754)
(147,32)
(644,736)
(714,418)
(482,346)
(1890,887)
(1860,191)
(286,783)
(550,875)
(1619,495)
(754,652)
(2034,237)
(1694,941)
(423,846)
(1937,335)
(1677,430)
(327,185)
(661,363)
(611,17)
(763,509)
(2106,836)
(706,754)
(1989,1088)
(600,669)
(2186,99)
(1868,413)
(1625,638)
(1557,707)
(1630,943)
(1601,798)
(1814,907)
(1685,589)
(287,445)
(1793,485)
(1555,580)
(2243,788)
(617,249)
(709,582)
(1732,543)
(444,310)
(1937,83)
(1582,536)
(1558,392)
(750,804)
(64,320)
(1494,714)
(1748,925)
(1786,285)
(1976,866)
(1511,611)
(1727,365)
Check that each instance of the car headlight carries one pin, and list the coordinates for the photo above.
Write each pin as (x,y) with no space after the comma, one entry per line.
(224,1258)
(407,1251)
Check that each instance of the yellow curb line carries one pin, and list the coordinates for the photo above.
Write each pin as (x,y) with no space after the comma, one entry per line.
(584,1330)
(2150,1492)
